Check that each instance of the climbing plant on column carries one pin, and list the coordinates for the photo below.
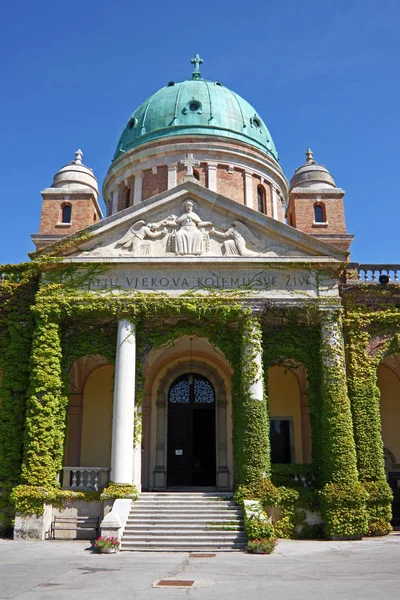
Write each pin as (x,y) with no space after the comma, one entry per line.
(361,326)
(251,446)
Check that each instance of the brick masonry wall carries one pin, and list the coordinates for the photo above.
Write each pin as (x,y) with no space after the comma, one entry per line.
(83,214)
(230,185)
(302,210)
(154,183)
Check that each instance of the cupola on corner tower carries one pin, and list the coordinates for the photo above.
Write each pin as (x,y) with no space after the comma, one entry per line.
(232,148)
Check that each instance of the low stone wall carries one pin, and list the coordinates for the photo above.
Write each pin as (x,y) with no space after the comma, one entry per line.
(38,527)
(33,527)
(73,509)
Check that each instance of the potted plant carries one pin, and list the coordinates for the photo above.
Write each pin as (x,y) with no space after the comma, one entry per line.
(264,546)
(107,545)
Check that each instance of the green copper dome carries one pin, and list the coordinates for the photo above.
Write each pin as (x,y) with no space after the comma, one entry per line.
(195,107)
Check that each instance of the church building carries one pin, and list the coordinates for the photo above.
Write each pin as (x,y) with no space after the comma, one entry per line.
(206,334)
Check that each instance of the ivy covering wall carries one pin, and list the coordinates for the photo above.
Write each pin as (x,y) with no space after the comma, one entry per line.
(44,329)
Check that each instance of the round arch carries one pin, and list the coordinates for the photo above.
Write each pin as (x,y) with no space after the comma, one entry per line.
(156,463)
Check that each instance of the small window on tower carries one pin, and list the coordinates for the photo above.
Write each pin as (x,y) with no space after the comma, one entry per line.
(196,175)
(261,201)
(66,213)
(319,213)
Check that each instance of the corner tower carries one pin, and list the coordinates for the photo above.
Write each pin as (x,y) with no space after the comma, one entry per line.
(230,145)
(316,204)
(70,204)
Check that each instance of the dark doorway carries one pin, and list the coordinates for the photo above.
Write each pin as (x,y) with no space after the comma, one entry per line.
(280,439)
(191,432)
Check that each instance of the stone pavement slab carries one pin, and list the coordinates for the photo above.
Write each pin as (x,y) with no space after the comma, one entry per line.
(358,570)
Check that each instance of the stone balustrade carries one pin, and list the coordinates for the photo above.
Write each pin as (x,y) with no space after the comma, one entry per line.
(372,273)
(85,478)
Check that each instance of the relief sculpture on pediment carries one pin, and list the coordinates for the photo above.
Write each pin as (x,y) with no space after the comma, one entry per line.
(191,234)
(137,238)
(237,239)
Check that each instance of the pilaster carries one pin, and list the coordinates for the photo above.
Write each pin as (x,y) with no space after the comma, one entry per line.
(172,175)
(137,192)
(212,176)
(248,189)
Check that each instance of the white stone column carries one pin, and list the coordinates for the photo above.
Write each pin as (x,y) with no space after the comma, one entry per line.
(212,176)
(248,189)
(114,202)
(274,194)
(124,404)
(253,360)
(171,176)
(137,192)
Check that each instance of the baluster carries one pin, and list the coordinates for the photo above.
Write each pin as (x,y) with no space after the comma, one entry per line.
(396,277)
(96,481)
(373,278)
(74,482)
(366,275)
(358,274)
(81,478)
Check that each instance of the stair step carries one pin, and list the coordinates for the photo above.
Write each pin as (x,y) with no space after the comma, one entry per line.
(180,547)
(184,521)
(216,533)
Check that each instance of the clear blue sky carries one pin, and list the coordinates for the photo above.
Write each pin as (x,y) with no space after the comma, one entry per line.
(322,73)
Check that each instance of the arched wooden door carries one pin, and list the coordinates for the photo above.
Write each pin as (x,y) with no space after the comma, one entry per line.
(191,454)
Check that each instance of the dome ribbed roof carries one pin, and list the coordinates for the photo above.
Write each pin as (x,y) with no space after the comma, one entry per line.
(195,107)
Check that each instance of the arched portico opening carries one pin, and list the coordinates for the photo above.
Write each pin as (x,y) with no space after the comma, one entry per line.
(184,357)
(88,436)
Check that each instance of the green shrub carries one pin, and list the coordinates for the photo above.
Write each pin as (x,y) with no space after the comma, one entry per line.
(119,490)
(343,509)
(379,507)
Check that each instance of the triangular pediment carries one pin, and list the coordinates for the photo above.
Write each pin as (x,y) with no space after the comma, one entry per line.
(193,222)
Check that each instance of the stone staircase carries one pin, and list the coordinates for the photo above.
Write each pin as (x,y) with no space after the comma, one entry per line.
(184,521)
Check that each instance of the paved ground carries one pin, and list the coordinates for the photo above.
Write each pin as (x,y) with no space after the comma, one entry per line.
(364,570)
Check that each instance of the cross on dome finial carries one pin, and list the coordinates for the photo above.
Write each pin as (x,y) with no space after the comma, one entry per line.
(196,61)
(78,157)
(310,156)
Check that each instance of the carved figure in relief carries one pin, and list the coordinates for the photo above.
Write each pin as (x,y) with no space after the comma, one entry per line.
(237,237)
(136,236)
(189,235)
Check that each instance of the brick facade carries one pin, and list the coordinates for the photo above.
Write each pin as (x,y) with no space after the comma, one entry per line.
(301,210)
(230,184)
(84,213)
(154,183)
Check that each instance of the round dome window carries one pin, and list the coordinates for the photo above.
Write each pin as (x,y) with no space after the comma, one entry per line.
(194,106)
